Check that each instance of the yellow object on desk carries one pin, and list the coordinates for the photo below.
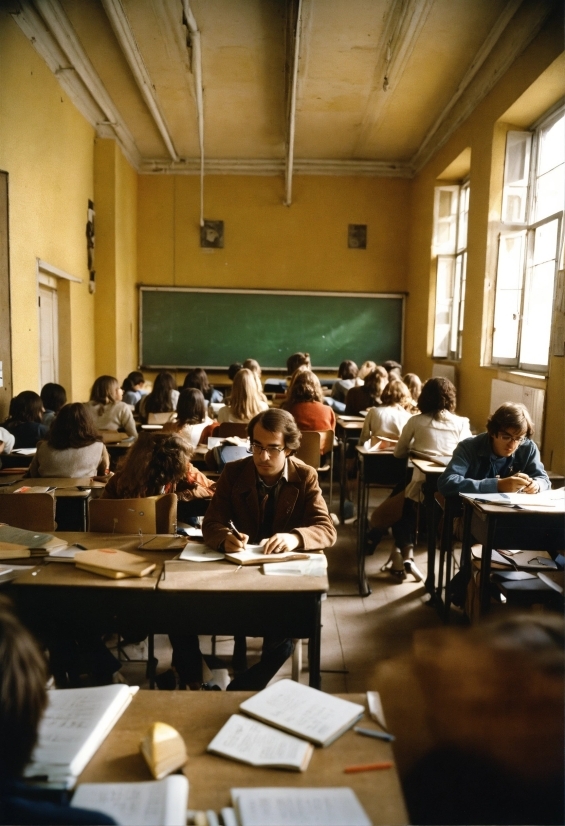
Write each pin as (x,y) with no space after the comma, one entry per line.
(164,750)
(113,563)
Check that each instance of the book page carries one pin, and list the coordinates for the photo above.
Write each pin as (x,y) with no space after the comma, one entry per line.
(194,552)
(152,803)
(252,742)
(303,710)
(299,807)
(252,553)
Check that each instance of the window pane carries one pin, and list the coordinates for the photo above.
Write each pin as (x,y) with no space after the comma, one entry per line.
(444,293)
(463,218)
(516,173)
(538,299)
(455,315)
(550,192)
(508,296)
(445,218)
(552,146)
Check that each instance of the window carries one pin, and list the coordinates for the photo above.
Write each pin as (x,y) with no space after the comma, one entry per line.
(529,244)
(451,209)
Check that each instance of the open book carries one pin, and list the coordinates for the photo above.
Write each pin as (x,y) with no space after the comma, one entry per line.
(251,742)
(255,555)
(151,803)
(298,807)
(31,542)
(75,723)
(303,711)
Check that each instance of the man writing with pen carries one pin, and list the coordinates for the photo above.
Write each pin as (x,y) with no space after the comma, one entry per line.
(274,499)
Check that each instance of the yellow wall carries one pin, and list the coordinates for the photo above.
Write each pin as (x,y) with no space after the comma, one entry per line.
(46,147)
(484,136)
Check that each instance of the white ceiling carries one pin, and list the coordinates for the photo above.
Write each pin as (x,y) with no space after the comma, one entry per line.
(379,83)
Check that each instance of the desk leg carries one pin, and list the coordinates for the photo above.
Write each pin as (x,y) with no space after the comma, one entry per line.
(484,592)
(314,647)
(431,522)
(362,510)
(342,480)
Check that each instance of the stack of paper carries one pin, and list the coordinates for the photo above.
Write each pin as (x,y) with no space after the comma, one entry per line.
(75,723)
(280,806)
(19,543)
(153,803)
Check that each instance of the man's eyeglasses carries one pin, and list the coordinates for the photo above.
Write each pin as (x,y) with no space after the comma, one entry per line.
(507,438)
(258,449)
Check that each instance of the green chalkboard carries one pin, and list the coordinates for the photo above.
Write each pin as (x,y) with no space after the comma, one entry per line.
(181,328)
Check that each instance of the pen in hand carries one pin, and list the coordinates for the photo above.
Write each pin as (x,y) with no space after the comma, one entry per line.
(235,531)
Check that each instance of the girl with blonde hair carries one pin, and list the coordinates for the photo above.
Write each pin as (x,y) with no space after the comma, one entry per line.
(245,401)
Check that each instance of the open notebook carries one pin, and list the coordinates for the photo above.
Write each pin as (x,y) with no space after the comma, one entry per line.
(151,803)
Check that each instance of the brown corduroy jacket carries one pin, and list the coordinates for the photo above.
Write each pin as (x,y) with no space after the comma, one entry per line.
(300,506)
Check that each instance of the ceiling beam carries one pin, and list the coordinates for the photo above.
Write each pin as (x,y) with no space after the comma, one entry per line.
(294,9)
(276,166)
(126,38)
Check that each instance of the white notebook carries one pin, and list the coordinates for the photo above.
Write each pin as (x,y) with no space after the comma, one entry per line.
(251,742)
(303,711)
(280,806)
(151,803)
(75,723)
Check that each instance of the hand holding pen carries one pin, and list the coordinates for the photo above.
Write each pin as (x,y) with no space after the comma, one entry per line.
(235,541)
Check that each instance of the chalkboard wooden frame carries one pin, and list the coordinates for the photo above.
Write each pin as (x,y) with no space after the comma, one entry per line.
(395,311)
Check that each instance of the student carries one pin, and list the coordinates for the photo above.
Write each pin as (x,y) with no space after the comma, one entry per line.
(53,396)
(297,360)
(7,441)
(388,420)
(25,419)
(390,364)
(132,387)
(73,448)
(347,378)
(23,699)
(270,496)
(436,431)
(245,400)
(414,384)
(504,459)
(255,367)
(368,394)
(198,378)
(108,410)
(234,368)
(163,398)
(305,403)
(366,368)
(191,416)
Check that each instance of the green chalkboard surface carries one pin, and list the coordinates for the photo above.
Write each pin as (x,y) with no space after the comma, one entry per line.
(181,328)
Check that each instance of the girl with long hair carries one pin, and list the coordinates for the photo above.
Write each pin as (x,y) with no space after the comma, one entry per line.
(108,410)
(25,417)
(305,403)
(388,420)
(245,400)
(53,396)
(163,398)
(368,394)
(198,378)
(191,416)
(73,448)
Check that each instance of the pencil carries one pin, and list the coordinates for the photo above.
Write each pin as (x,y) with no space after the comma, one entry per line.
(368,767)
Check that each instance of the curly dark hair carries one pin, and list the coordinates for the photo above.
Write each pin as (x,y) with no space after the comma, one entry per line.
(511,416)
(157,458)
(23,697)
(73,426)
(25,407)
(276,420)
(53,396)
(437,394)
(305,388)
(159,400)
(191,407)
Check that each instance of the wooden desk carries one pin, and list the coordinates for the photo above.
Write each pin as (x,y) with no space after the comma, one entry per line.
(432,472)
(347,429)
(376,467)
(198,716)
(192,598)
(494,526)
(71,495)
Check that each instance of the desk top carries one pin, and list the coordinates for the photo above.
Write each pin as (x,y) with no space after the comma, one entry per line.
(58,482)
(198,716)
(350,422)
(363,451)
(426,466)
(529,509)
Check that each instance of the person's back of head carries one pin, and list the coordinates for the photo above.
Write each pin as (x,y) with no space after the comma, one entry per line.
(191,406)
(198,378)
(347,370)
(253,365)
(133,380)
(234,368)
(375,383)
(511,417)
(23,697)
(245,400)
(396,392)
(25,407)
(366,368)
(414,384)
(390,364)
(160,398)
(73,426)
(305,388)
(53,396)
(156,459)
(105,390)
(297,360)
(437,394)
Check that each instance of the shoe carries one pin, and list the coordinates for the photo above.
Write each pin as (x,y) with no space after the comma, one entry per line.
(396,564)
(411,568)
(209,687)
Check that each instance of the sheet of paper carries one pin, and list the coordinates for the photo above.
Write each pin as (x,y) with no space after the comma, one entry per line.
(251,552)
(194,533)
(65,553)
(152,803)
(316,565)
(545,499)
(253,742)
(299,807)
(200,553)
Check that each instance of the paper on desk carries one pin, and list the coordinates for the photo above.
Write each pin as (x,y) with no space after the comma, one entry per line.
(65,553)
(200,553)
(281,806)
(316,565)
(150,803)
(195,533)
(8,572)
(260,745)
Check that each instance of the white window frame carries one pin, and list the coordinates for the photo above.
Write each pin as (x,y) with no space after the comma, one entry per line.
(451,273)
(523,226)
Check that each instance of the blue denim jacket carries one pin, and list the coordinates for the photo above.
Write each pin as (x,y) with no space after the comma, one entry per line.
(471,468)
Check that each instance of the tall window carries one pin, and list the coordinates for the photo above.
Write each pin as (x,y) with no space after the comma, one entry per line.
(451,209)
(529,245)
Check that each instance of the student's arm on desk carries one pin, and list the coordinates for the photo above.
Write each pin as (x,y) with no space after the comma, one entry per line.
(126,420)
(402,447)
(366,431)
(531,464)
(103,464)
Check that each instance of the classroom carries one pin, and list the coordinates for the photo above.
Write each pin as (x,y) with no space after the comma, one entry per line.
(257,151)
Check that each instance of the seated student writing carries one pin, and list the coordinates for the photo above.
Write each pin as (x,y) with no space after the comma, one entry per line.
(23,699)
(503,460)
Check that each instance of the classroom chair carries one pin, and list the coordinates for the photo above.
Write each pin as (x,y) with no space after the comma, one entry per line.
(313,445)
(231,429)
(30,511)
(161,418)
(152,514)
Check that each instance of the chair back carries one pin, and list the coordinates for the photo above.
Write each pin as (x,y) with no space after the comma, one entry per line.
(231,429)
(31,511)
(112,437)
(309,450)
(150,514)
(327,439)
(161,418)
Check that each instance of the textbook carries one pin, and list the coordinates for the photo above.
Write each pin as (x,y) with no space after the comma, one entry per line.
(36,542)
(75,723)
(254,743)
(279,806)
(303,711)
(113,563)
(253,555)
(150,803)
